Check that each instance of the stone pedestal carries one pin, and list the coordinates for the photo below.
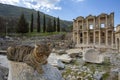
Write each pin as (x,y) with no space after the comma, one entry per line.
(21,71)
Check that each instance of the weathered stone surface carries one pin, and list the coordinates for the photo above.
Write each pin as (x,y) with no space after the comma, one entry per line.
(54,61)
(98,75)
(60,52)
(74,53)
(21,71)
(3,67)
(3,61)
(69,51)
(93,56)
(65,58)
(1,76)
(115,59)
(3,73)
(114,74)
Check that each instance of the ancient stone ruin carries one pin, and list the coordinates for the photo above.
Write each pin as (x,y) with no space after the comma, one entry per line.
(95,31)
(117,38)
(94,56)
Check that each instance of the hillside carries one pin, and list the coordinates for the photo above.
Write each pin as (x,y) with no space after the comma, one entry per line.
(10,11)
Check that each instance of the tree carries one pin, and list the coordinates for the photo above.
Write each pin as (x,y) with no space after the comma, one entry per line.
(70,28)
(58,24)
(49,26)
(44,23)
(2,25)
(31,25)
(22,26)
(54,25)
(38,22)
(11,24)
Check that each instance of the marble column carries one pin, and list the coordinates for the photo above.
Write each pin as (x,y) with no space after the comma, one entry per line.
(87,33)
(99,32)
(106,37)
(112,39)
(106,22)
(78,38)
(99,37)
(83,38)
(87,37)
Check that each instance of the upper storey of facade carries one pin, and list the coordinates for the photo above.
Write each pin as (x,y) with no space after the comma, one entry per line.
(118,29)
(102,21)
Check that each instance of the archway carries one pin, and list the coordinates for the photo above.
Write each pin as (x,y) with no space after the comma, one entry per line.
(81,37)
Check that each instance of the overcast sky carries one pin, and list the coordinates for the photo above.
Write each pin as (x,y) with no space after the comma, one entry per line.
(70,9)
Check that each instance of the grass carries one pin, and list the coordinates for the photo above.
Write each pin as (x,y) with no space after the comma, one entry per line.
(44,34)
(106,75)
(103,67)
(67,72)
(75,62)
(33,34)
(100,67)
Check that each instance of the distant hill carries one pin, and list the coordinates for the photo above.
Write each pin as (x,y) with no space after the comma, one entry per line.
(10,11)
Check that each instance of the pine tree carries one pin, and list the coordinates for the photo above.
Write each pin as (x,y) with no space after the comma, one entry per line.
(58,24)
(31,25)
(49,26)
(2,25)
(22,26)
(44,23)
(54,25)
(38,22)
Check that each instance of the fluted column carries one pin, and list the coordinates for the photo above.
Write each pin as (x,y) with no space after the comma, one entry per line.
(106,22)
(106,37)
(82,32)
(83,38)
(87,24)
(99,37)
(87,38)
(99,32)
(82,25)
(87,33)
(78,37)
(99,22)
(112,39)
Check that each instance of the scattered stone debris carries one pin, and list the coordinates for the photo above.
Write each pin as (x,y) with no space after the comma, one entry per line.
(73,53)
(74,64)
